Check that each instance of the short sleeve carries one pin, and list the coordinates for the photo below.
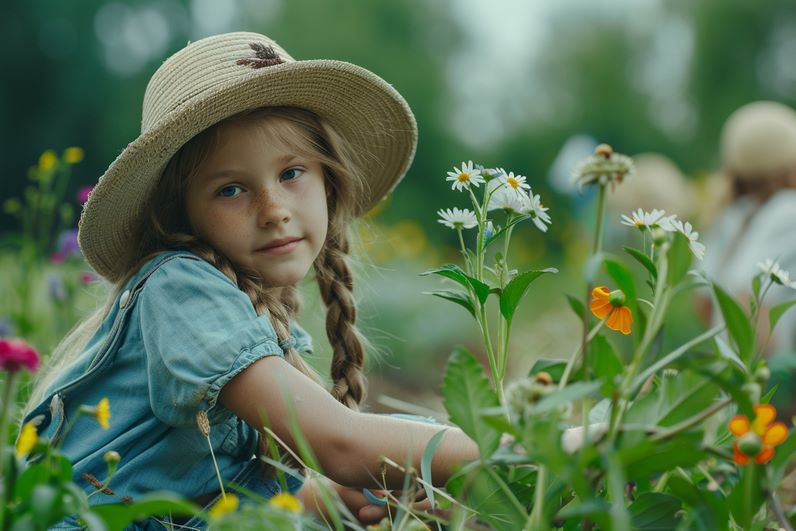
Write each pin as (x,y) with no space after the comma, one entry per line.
(199,331)
(302,340)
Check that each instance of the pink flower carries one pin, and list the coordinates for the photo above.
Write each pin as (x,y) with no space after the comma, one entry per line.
(87,277)
(83,194)
(57,257)
(16,354)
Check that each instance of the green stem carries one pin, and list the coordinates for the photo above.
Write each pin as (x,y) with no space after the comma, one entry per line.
(574,355)
(490,352)
(505,324)
(598,229)
(536,521)
(467,263)
(8,397)
(690,422)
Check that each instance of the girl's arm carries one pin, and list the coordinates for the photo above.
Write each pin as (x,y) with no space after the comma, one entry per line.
(347,444)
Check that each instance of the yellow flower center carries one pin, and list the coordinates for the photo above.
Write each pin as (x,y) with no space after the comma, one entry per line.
(464,177)
(513,182)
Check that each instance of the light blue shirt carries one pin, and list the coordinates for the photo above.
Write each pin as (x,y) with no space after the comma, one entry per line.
(177,333)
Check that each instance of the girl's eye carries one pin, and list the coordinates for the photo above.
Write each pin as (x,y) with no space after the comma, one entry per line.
(229,191)
(291,174)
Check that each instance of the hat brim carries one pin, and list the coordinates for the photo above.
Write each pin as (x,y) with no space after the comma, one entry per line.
(363,108)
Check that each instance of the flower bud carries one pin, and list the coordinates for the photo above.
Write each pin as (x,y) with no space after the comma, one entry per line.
(659,236)
(750,443)
(543,377)
(489,230)
(112,456)
(762,374)
(752,390)
(617,298)
(604,150)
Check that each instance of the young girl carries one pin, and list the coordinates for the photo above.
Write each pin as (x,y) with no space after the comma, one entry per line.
(248,172)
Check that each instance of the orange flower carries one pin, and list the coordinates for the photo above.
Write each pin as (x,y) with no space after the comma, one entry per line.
(757,438)
(610,305)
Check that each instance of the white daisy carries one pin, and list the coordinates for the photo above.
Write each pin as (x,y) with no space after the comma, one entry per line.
(464,177)
(776,273)
(642,220)
(504,198)
(456,218)
(514,182)
(687,230)
(538,213)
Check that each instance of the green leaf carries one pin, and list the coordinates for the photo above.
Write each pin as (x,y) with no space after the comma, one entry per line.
(455,273)
(642,458)
(576,305)
(654,510)
(501,230)
(467,393)
(598,510)
(776,312)
(756,281)
(708,509)
(643,259)
(624,281)
(568,394)
(605,363)
(425,463)
(514,290)
(747,496)
(679,257)
(675,399)
(117,515)
(737,323)
(483,493)
(459,297)
(555,368)
(726,352)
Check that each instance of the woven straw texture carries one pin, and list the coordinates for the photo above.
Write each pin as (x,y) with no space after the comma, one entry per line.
(215,78)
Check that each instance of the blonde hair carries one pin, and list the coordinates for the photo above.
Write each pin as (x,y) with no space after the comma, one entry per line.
(164,226)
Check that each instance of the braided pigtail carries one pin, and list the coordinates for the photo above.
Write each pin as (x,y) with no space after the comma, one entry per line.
(281,305)
(348,354)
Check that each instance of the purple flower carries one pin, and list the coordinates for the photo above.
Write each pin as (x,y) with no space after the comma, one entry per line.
(5,326)
(67,244)
(84,193)
(16,354)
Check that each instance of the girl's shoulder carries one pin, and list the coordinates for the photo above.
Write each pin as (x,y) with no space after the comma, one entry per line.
(177,267)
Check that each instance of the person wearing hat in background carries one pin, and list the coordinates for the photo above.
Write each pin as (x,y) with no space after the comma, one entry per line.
(758,157)
(249,169)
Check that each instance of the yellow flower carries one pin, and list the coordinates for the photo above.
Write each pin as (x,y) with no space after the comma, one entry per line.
(73,155)
(227,504)
(286,501)
(27,440)
(47,160)
(104,413)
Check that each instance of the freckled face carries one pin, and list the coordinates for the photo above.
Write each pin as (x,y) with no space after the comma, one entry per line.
(260,203)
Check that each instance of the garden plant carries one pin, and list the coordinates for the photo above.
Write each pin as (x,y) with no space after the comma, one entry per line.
(621,433)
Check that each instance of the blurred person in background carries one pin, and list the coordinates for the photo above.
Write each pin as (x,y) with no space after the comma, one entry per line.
(758,158)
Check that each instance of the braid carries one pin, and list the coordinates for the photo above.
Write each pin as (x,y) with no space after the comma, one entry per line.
(281,305)
(348,354)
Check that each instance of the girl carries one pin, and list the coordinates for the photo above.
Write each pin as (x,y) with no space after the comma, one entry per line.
(248,172)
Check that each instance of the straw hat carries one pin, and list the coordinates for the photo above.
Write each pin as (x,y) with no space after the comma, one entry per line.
(219,76)
(759,139)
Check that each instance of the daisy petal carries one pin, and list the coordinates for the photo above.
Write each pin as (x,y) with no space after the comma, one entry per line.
(775,434)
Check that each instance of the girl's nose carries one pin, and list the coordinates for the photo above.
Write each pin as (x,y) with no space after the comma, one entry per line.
(271,209)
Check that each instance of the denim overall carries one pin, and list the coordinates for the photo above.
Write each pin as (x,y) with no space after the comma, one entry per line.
(178,331)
